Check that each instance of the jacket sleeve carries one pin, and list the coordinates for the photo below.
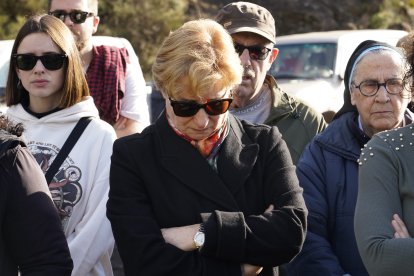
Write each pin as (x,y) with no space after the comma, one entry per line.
(268,238)
(92,239)
(382,180)
(317,256)
(32,229)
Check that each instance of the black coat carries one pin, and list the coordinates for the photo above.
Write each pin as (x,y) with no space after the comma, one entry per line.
(31,235)
(159,180)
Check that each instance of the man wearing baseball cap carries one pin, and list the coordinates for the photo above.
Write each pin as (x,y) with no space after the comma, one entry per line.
(258,99)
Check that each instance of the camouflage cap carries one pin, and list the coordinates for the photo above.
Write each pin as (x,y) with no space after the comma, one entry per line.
(239,17)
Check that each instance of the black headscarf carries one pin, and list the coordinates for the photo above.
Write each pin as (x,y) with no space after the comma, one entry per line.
(365,45)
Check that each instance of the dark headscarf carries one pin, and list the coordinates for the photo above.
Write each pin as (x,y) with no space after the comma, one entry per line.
(350,67)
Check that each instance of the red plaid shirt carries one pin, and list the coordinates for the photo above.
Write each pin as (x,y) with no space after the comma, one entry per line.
(106,79)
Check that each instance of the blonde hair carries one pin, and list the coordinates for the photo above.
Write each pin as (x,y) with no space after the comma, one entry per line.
(202,53)
(75,85)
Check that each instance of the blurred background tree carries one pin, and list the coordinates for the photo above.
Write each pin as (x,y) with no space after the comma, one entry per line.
(145,23)
(13,12)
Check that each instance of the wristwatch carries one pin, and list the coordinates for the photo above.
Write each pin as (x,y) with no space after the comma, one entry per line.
(199,237)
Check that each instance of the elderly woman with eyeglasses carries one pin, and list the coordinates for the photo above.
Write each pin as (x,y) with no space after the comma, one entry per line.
(201,192)
(384,213)
(375,99)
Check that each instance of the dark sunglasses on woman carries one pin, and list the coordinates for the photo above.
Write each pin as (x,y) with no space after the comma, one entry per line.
(27,62)
(77,17)
(190,108)
(256,52)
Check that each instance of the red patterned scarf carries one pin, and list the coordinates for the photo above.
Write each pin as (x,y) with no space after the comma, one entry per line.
(106,79)
(207,147)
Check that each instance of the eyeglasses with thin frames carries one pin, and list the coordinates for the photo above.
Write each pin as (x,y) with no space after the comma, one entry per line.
(77,17)
(369,88)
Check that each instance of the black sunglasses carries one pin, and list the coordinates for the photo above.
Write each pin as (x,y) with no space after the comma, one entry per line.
(77,17)
(190,108)
(256,52)
(27,62)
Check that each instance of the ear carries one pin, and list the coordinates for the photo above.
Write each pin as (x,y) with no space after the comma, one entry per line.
(96,20)
(272,56)
(353,100)
(17,72)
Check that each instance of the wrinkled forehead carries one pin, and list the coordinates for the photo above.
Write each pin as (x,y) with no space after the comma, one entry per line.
(375,54)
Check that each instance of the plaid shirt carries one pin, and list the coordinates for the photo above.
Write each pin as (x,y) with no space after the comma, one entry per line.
(106,79)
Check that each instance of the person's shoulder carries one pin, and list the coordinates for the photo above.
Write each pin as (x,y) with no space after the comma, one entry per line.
(249,126)
(136,138)
(101,124)
(302,116)
(100,127)
(256,132)
(306,112)
(299,110)
(113,43)
(8,142)
(398,138)
(401,133)
(397,142)
(103,50)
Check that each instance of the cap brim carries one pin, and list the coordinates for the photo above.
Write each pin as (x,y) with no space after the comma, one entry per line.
(252,30)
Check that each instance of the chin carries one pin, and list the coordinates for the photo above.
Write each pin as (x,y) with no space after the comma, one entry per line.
(198,137)
(382,126)
(244,91)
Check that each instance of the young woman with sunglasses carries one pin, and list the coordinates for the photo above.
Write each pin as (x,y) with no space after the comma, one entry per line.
(201,192)
(48,93)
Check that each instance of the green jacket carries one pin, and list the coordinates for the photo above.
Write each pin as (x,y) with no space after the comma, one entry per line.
(297,122)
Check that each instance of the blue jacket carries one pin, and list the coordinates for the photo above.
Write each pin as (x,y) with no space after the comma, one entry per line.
(328,173)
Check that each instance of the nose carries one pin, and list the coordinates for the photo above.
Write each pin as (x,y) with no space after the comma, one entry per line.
(382,94)
(39,67)
(201,118)
(67,20)
(245,57)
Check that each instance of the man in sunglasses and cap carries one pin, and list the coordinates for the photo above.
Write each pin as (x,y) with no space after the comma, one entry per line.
(114,75)
(258,99)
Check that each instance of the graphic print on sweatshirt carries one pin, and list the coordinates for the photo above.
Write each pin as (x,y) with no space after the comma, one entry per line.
(65,187)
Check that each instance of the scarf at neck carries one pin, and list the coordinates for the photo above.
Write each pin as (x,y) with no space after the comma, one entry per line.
(209,146)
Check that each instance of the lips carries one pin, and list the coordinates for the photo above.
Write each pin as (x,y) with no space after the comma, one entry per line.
(40,83)
(381,111)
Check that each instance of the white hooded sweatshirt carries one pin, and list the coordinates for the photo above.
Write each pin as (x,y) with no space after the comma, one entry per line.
(80,187)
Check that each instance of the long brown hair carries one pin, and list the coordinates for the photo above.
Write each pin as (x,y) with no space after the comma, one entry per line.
(75,85)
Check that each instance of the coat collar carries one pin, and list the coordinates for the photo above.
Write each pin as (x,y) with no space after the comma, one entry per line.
(237,157)
(282,103)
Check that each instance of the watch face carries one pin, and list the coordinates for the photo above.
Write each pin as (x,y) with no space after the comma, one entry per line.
(199,239)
